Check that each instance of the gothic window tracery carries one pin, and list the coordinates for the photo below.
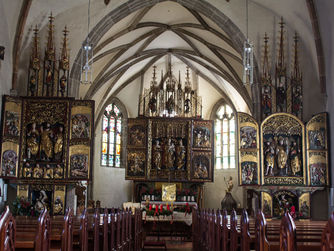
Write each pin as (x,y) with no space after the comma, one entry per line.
(111,136)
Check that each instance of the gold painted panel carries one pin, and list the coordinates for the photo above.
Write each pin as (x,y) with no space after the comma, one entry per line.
(11,119)
(136,163)
(304,206)
(79,162)
(317,150)
(81,120)
(248,143)
(9,159)
(168,192)
(59,200)
(202,166)
(137,133)
(22,191)
(267,204)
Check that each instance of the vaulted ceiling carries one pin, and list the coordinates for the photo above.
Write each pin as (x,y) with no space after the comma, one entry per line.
(131,37)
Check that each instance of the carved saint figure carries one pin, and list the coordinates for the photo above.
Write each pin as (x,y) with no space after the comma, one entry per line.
(62,85)
(157,155)
(58,172)
(48,172)
(27,171)
(32,142)
(169,150)
(180,154)
(270,158)
(282,156)
(38,172)
(46,142)
(58,206)
(58,149)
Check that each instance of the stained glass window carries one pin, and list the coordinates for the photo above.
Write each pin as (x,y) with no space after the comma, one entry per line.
(225,138)
(111,136)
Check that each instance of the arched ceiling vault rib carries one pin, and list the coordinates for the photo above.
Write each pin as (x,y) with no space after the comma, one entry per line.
(156,33)
(153,33)
(185,38)
(112,84)
(106,53)
(210,45)
(145,54)
(96,85)
(140,16)
(131,27)
(241,89)
(221,72)
(128,81)
(210,81)
(228,65)
(209,28)
(161,25)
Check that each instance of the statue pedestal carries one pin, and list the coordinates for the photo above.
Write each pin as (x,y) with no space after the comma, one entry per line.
(228,202)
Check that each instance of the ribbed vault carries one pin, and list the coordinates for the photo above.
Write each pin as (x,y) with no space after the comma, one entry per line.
(158,33)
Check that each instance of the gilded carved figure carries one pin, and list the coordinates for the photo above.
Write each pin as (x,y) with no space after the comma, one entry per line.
(46,142)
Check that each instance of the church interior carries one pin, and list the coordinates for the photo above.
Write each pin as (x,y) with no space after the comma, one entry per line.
(192,122)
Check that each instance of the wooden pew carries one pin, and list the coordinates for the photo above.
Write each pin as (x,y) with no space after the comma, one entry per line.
(261,242)
(84,231)
(42,240)
(225,232)
(234,232)
(287,233)
(67,234)
(244,228)
(32,233)
(96,230)
(327,240)
(7,231)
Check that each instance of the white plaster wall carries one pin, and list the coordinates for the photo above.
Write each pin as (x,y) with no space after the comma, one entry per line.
(325,9)
(109,184)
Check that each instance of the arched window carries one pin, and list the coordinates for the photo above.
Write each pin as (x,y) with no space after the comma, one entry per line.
(225,138)
(111,136)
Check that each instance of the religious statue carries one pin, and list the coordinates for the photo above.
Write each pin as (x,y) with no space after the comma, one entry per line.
(32,85)
(38,172)
(282,156)
(58,148)
(169,150)
(32,142)
(269,158)
(229,184)
(62,85)
(266,101)
(180,155)
(157,155)
(46,143)
(201,171)
(228,202)
(41,202)
(281,96)
(295,159)
(27,171)
(58,206)
(48,172)
(58,172)
(48,79)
